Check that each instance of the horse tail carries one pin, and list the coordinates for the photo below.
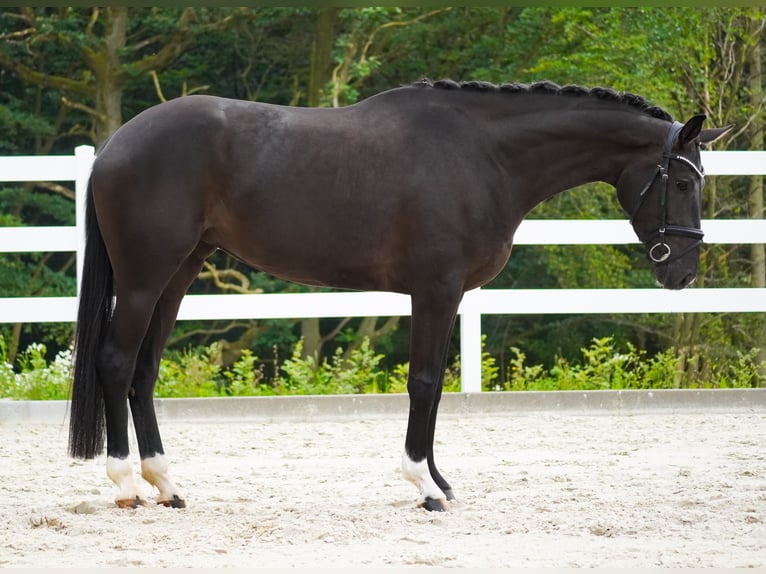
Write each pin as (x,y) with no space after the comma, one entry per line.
(87,419)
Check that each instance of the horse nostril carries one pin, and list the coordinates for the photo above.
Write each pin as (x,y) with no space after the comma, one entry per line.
(688,279)
(678,282)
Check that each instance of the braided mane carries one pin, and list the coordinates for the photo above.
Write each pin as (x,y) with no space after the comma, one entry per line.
(547,87)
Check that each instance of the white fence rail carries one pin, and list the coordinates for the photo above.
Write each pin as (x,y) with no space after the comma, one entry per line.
(475,303)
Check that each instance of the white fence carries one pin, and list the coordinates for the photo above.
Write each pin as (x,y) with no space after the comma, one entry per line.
(475,303)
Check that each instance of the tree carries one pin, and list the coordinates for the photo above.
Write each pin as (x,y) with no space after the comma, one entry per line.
(70,67)
(107,48)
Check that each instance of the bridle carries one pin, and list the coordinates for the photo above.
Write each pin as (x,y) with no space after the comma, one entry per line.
(660,253)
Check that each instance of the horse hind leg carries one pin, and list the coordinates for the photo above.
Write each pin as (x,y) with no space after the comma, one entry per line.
(116,364)
(154,464)
(433,318)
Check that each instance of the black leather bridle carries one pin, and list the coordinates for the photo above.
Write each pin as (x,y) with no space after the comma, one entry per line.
(660,253)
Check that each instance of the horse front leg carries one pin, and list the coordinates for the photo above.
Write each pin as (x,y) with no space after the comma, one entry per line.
(433,318)
(435,474)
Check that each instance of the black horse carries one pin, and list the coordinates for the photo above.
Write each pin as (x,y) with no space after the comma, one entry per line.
(416,190)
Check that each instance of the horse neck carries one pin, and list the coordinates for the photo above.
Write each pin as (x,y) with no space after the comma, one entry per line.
(553,149)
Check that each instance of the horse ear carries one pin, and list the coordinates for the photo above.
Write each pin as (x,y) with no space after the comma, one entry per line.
(691,129)
(711,134)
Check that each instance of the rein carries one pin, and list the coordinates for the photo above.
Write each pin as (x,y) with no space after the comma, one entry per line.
(660,253)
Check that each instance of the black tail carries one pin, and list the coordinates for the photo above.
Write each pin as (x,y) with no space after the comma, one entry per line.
(87,422)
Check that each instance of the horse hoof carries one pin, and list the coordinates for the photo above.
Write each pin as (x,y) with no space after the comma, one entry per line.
(176,502)
(131,503)
(434,504)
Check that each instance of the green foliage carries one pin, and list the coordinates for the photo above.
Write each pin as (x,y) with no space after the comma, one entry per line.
(200,374)
(16,122)
(520,375)
(604,366)
(245,378)
(189,374)
(37,379)
(359,373)
(34,207)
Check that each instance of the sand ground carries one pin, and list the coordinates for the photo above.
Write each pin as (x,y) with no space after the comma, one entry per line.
(682,489)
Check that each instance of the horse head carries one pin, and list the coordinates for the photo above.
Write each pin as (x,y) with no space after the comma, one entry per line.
(663,197)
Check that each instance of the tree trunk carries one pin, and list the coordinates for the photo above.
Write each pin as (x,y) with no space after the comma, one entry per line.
(312,338)
(13,345)
(755,196)
(368,329)
(109,75)
(755,200)
(321,54)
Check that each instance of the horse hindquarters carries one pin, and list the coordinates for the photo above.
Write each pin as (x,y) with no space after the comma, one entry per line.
(102,371)
(148,268)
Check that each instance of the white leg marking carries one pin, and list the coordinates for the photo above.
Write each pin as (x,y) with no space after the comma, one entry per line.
(155,471)
(417,473)
(120,471)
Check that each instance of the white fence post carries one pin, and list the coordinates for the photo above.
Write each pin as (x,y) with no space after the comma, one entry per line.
(84,156)
(470,343)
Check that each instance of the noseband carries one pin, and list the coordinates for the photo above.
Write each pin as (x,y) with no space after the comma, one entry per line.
(660,253)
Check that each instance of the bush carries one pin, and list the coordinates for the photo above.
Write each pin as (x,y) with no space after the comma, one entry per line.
(200,373)
(359,373)
(244,378)
(37,380)
(190,374)
(603,366)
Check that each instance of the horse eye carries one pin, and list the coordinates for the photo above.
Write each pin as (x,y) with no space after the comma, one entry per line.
(682,185)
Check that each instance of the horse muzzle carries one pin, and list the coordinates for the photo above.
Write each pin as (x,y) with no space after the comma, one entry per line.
(675,276)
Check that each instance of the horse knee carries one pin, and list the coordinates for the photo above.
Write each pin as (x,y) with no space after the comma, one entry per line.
(144,380)
(113,372)
(422,391)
